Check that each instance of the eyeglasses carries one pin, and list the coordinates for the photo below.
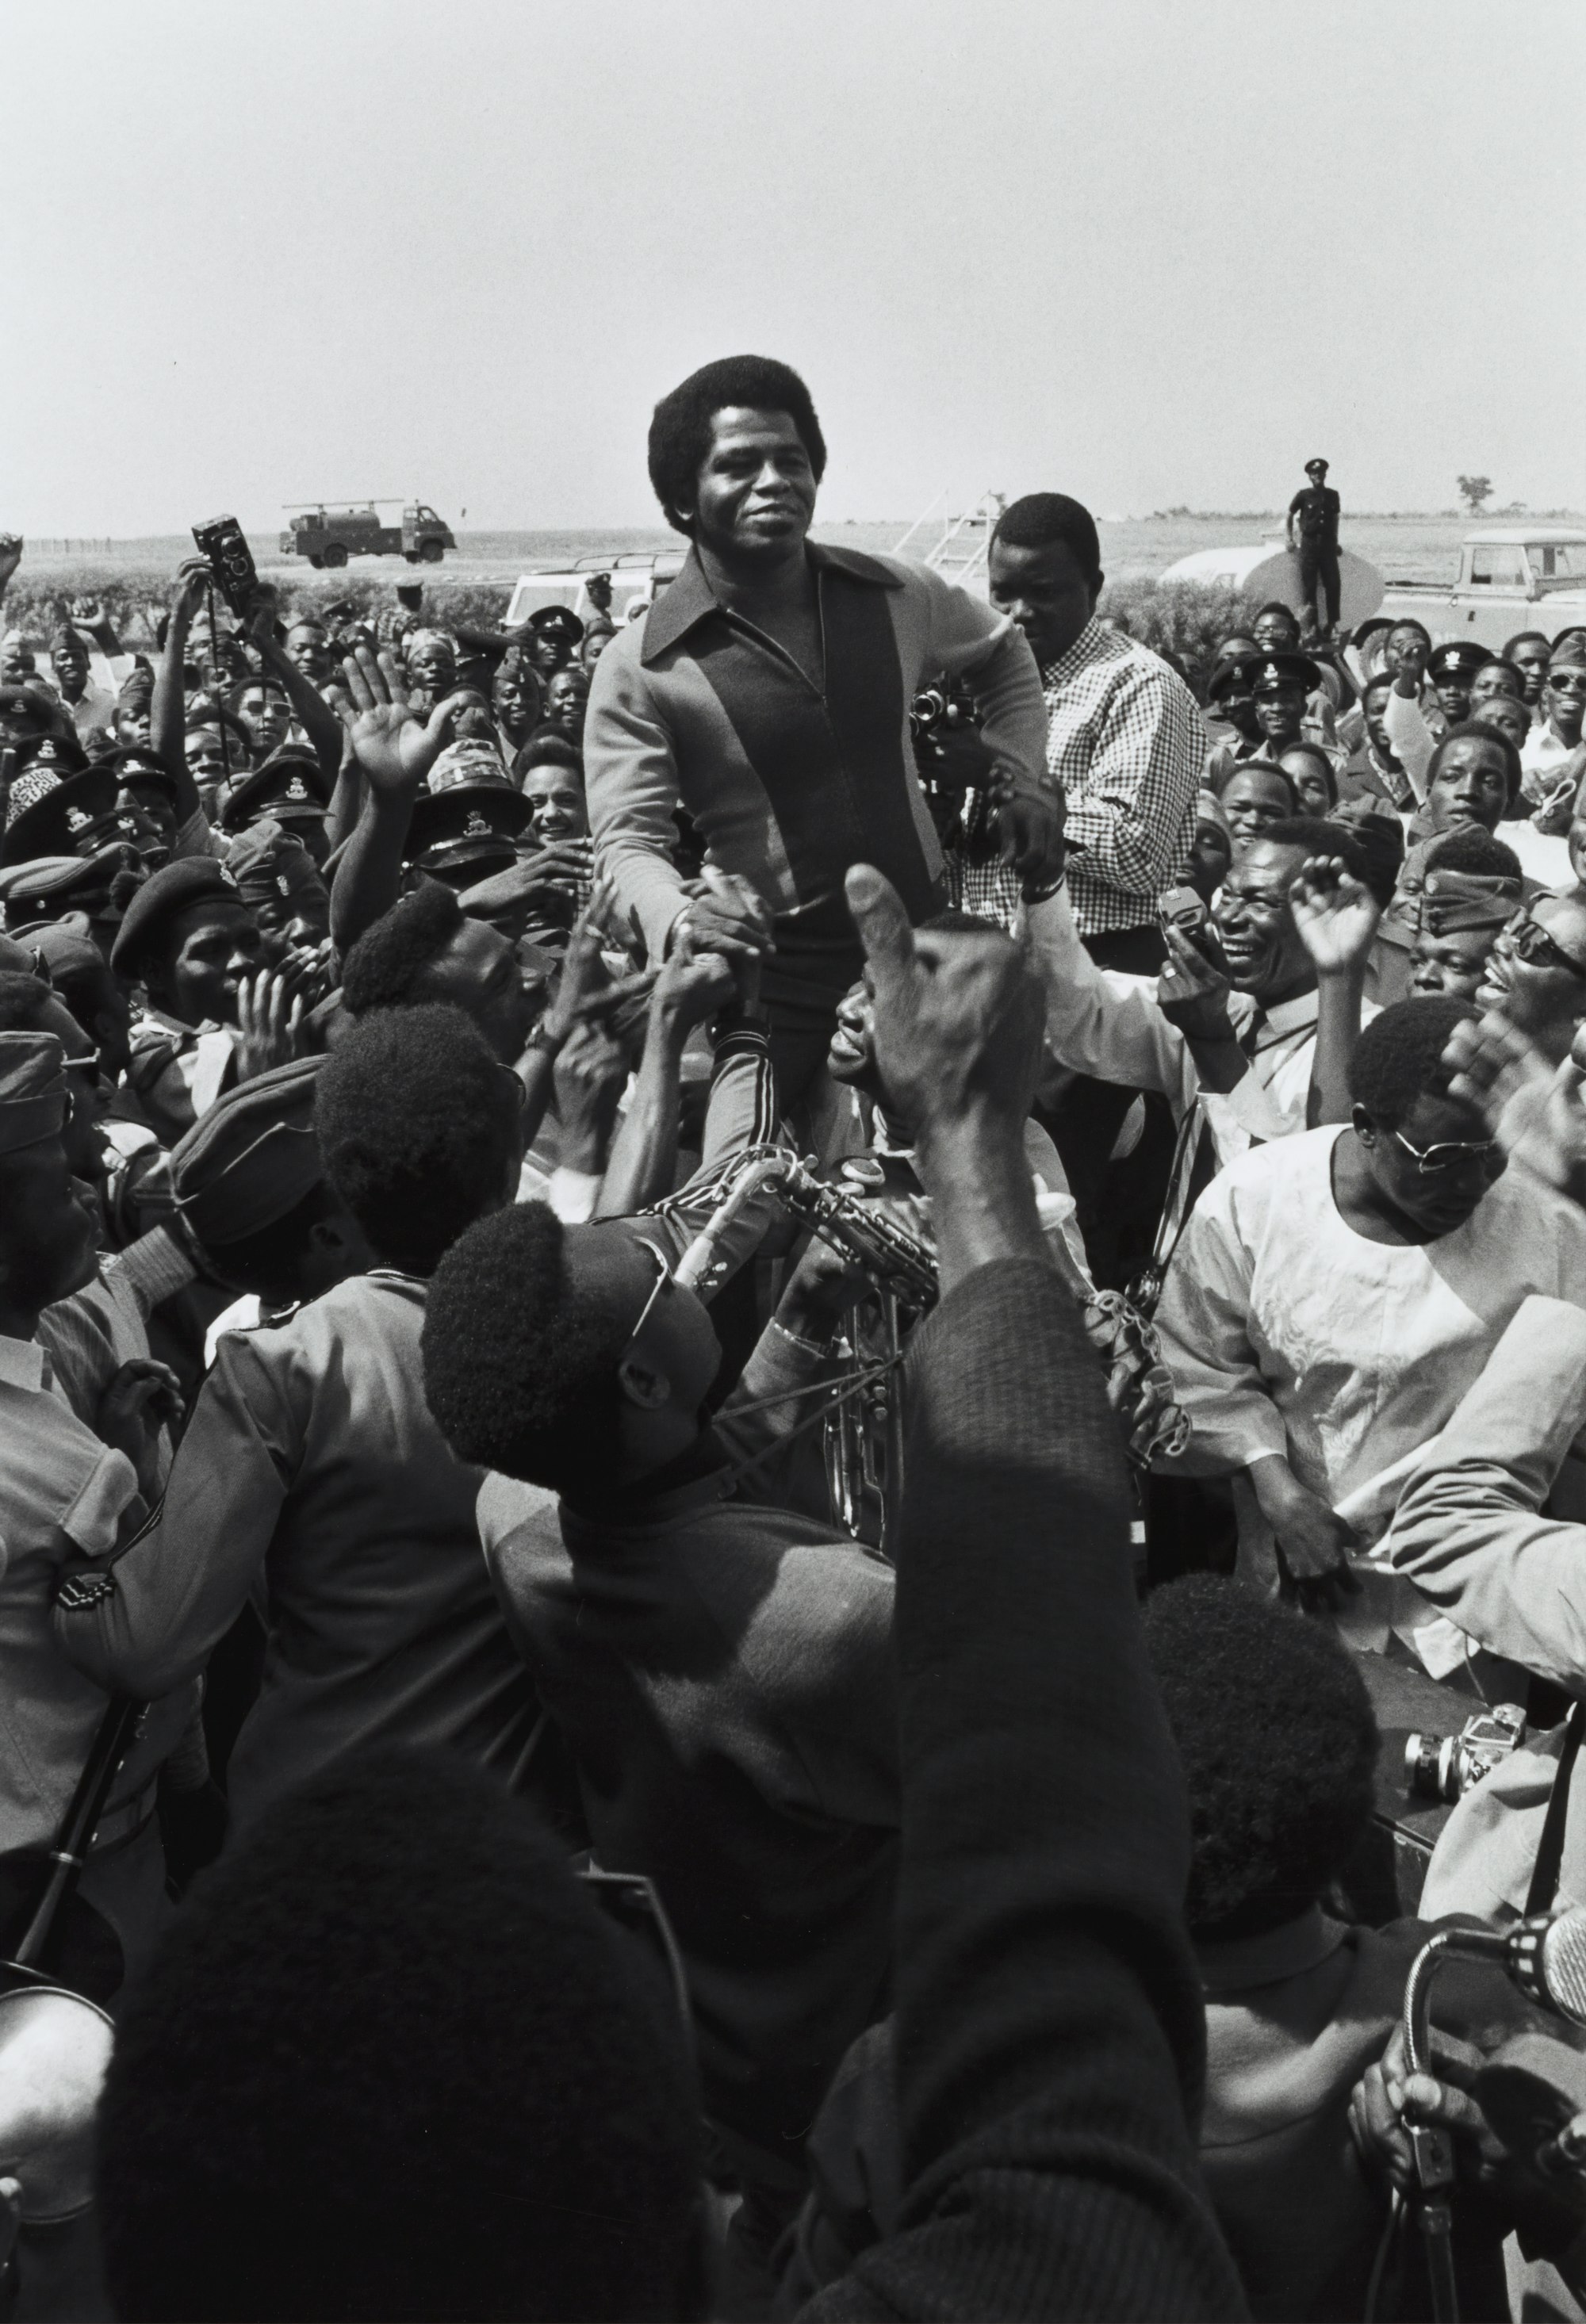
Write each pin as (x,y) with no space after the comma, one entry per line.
(1567,681)
(663,1277)
(1531,942)
(1432,1159)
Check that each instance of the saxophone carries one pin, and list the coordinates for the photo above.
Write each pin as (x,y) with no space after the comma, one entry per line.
(866,1421)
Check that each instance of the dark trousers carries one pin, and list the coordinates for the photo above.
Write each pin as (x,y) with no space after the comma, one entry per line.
(1318,562)
(1084,1122)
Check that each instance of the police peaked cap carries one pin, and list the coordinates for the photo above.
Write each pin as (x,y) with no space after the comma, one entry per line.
(290,786)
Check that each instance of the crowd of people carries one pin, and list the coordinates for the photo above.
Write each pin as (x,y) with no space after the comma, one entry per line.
(729,1347)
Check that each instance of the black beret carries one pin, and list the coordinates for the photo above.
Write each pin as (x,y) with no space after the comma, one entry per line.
(469,824)
(290,787)
(190,880)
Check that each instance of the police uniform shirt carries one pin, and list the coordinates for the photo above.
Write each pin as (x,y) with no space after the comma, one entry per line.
(311,1463)
(177,1071)
(64,1496)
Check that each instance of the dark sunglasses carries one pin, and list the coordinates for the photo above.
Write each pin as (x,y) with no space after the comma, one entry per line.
(662,1278)
(1530,940)
(1432,1159)
(1572,680)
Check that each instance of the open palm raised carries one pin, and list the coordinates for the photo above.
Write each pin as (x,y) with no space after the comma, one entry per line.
(393,744)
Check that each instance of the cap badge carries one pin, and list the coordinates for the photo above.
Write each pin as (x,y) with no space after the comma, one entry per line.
(295,790)
(475,824)
(78,818)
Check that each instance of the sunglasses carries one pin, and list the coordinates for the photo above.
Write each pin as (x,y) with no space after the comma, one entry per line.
(663,1277)
(1531,942)
(1567,681)
(1430,1159)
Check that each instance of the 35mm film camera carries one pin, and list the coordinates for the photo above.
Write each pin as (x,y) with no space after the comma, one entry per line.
(1443,1766)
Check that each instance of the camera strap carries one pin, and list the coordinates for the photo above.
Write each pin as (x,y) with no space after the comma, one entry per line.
(1550,1850)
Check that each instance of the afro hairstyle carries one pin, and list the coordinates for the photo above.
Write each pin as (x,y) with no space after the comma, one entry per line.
(1276,605)
(1474,852)
(1525,638)
(1279,1742)
(1471,730)
(393,2061)
(520,1372)
(1408,621)
(416,1124)
(1051,520)
(384,969)
(1399,1057)
(680,426)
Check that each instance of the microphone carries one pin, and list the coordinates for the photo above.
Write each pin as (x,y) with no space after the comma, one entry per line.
(1546,1958)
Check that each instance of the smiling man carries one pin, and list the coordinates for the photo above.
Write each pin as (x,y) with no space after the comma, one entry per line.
(766,692)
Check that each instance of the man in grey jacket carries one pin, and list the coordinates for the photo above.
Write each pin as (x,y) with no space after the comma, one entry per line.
(767,695)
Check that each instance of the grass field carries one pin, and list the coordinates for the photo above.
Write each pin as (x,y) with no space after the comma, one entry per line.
(134,577)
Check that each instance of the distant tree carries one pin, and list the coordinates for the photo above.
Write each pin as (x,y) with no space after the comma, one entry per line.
(1473,491)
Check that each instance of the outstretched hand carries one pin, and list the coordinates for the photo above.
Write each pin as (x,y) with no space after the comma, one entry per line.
(138,1401)
(392,743)
(958,1017)
(1192,991)
(1536,1110)
(269,1021)
(1335,914)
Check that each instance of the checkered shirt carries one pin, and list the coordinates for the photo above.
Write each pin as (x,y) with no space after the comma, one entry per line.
(1124,737)
(990,891)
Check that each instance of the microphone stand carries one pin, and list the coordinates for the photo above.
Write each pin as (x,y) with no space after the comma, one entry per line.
(1431,2147)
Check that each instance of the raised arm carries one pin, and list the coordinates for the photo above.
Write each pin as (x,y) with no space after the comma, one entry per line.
(645,1153)
(1049,2019)
(631,780)
(1337,918)
(168,706)
(315,715)
(395,749)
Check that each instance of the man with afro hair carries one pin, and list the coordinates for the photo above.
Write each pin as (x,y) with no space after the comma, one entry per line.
(425,949)
(393,2061)
(766,692)
(1331,1299)
(721,1670)
(1279,1744)
(311,1464)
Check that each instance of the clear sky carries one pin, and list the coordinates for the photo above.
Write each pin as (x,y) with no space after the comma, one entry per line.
(1147,253)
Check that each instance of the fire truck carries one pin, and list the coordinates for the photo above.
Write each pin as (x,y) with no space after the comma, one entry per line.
(329,536)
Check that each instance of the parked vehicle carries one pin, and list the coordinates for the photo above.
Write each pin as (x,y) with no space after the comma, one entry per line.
(328,537)
(1533,578)
(636,579)
(1269,570)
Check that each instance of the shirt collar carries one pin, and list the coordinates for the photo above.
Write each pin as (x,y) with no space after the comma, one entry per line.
(690,597)
(1272,1957)
(1092,642)
(23,1363)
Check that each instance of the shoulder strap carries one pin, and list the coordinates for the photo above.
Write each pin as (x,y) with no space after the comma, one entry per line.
(1545,1872)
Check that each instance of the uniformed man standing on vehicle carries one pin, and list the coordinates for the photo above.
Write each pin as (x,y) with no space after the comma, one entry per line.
(1315,512)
